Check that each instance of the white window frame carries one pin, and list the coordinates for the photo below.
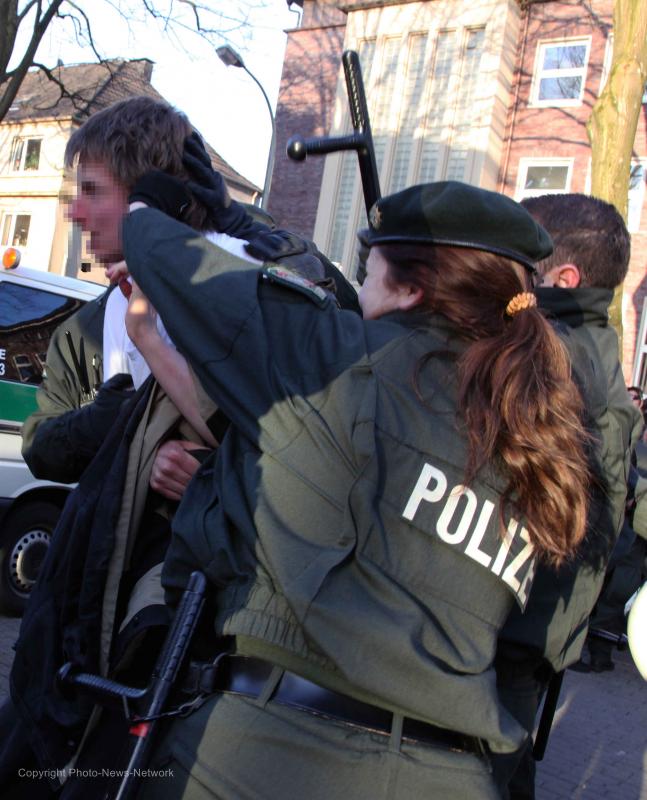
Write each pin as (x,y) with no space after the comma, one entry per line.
(640,358)
(522,173)
(606,63)
(11,230)
(540,73)
(25,141)
(633,220)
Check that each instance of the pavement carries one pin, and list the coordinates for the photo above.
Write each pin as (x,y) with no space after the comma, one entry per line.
(598,745)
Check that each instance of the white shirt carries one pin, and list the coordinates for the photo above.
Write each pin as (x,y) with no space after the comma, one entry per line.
(119,353)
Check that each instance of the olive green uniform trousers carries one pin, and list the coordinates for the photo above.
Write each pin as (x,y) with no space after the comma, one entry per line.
(235,748)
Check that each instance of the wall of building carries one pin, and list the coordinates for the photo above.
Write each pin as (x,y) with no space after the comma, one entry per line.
(306,99)
(544,134)
(35,192)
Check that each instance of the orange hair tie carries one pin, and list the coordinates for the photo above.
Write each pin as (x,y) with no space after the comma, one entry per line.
(520,302)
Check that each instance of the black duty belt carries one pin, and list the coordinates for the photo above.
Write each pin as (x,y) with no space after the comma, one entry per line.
(248,677)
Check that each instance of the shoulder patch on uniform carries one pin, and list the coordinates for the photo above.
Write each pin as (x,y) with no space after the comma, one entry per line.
(292,280)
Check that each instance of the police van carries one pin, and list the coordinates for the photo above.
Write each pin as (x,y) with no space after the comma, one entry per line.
(33,304)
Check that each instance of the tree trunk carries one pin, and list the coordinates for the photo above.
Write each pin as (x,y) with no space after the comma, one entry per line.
(614,118)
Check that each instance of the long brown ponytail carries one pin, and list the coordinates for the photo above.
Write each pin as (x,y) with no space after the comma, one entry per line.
(515,391)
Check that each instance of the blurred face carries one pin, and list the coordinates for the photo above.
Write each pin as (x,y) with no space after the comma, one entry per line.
(99,207)
(376,296)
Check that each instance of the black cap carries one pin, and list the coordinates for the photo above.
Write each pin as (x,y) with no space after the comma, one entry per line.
(458,215)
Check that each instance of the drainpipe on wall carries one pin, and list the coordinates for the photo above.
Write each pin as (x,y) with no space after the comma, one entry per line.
(506,161)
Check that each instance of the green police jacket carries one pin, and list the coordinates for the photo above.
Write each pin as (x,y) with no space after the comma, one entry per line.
(555,621)
(333,521)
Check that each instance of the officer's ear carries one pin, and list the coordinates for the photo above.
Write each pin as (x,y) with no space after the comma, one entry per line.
(409,296)
(563,276)
(568,277)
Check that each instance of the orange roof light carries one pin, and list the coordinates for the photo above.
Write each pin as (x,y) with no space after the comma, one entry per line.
(11,258)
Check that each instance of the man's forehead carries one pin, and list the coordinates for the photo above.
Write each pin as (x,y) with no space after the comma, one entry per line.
(96,172)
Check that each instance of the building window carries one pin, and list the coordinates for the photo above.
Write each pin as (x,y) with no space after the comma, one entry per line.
(543,176)
(636,196)
(560,73)
(15,230)
(25,154)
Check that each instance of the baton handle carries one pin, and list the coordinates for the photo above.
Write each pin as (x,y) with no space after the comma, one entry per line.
(96,685)
(298,147)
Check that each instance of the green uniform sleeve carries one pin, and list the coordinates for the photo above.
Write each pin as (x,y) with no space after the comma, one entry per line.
(255,339)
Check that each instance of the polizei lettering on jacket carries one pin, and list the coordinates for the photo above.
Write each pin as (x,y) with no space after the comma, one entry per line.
(471,524)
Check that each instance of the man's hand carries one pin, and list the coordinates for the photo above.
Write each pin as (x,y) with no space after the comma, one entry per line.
(116,272)
(174,467)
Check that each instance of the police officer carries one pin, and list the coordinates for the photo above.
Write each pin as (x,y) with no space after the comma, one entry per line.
(377,505)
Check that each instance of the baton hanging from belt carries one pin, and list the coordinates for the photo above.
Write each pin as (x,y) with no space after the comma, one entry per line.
(361,141)
(554,688)
(150,700)
(547,715)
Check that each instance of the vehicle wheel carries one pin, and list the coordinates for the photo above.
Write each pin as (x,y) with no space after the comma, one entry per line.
(26,534)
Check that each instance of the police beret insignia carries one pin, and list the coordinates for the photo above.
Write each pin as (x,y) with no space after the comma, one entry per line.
(375,217)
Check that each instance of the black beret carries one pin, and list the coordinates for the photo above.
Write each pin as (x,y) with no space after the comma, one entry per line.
(458,215)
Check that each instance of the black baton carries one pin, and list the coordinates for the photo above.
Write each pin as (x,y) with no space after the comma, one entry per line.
(153,698)
(361,141)
(547,715)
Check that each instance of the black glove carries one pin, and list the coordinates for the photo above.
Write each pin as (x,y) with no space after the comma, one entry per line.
(63,446)
(161,190)
(208,185)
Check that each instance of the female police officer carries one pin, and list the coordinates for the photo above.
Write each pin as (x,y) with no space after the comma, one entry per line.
(377,505)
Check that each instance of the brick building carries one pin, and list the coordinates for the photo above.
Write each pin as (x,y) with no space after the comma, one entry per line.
(494,93)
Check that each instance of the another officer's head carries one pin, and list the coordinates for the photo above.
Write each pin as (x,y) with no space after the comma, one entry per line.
(591,241)
(114,148)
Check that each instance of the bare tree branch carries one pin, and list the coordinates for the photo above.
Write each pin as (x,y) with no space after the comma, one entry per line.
(88,29)
(203,19)
(74,98)
(9,87)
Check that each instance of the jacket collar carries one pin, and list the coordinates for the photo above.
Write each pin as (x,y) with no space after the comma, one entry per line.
(576,307)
